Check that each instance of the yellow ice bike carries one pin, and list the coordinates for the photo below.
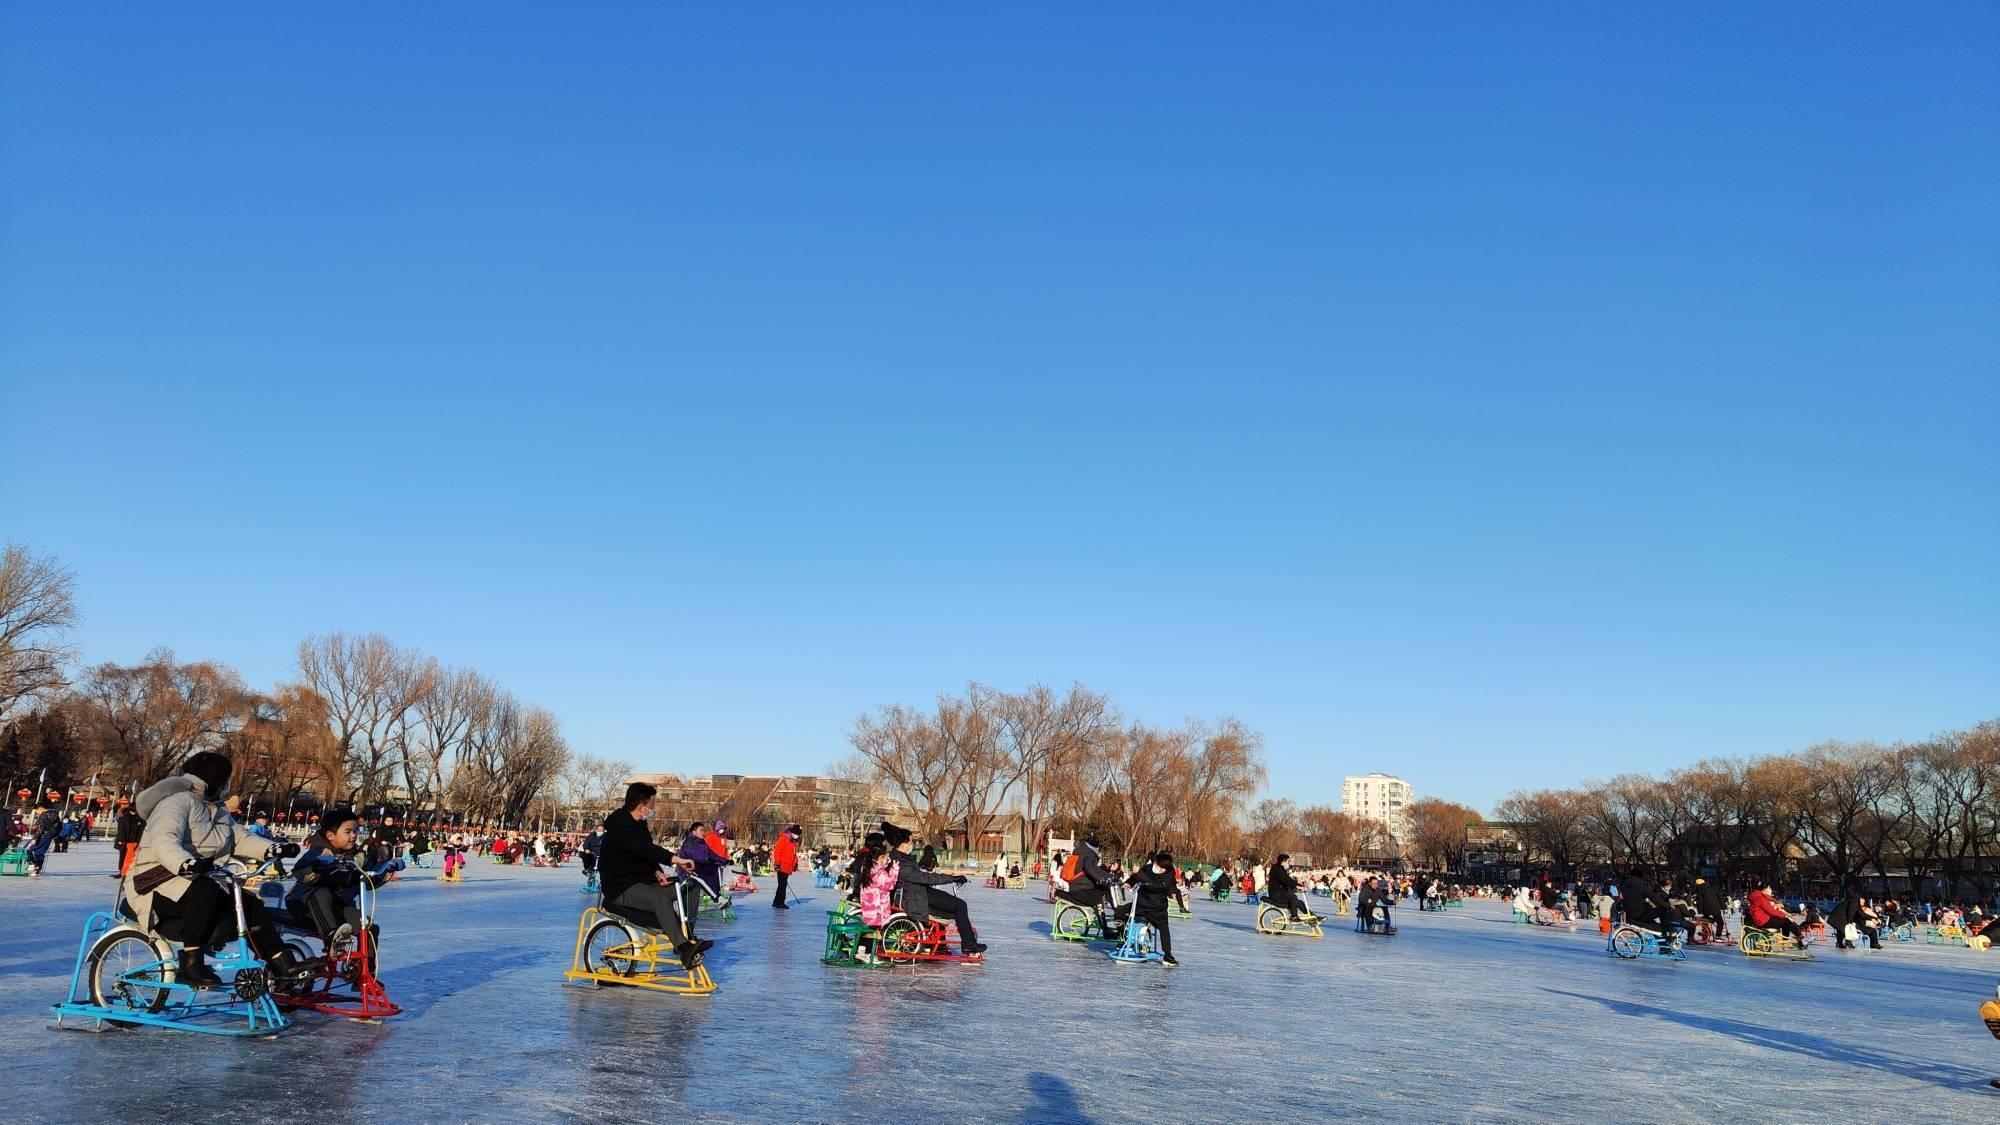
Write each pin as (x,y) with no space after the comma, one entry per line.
(1757,942)
(1272,919)
(620,945)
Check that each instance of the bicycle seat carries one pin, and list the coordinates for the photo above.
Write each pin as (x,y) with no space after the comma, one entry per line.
(633,914)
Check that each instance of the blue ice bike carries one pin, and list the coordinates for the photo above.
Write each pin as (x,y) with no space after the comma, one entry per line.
(1141,944)
(824,879)
(1633,943)
(125,977)
(590,884)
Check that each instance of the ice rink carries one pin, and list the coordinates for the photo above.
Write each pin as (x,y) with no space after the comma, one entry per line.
(1462,1016)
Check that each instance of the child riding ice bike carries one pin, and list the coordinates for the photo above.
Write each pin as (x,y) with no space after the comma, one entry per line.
(332,901)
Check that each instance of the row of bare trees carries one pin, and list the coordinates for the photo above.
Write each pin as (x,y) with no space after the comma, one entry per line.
(1064,759)
(364,719)
(1923,809)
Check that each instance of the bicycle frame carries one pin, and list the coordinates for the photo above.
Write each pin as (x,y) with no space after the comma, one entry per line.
(244,1009)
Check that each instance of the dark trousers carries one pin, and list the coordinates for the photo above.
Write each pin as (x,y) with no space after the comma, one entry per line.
(1781,924)
(1158,920)
(205,916)
(1290,901)
(943,902)
(666,906)
(1092,897)
(784,878)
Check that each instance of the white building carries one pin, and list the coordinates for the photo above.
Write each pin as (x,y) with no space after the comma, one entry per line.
(1379,796)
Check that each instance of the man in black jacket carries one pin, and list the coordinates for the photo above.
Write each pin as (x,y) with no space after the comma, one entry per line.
(629,873)
(1281,889)
(1091,882)
(1708,902)
(919,891)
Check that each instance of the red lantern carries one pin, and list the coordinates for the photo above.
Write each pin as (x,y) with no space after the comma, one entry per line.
(79,798)
(123,801)
(103,801)
(22,793)
(55,794)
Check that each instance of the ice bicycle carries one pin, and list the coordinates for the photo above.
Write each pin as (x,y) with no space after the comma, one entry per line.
(1634,943)
(901,940)
(1708,932)
(126,976)
(1076,922)
(1374,920)
(1275,919)
(620,945)
(345,983)
(1759,942)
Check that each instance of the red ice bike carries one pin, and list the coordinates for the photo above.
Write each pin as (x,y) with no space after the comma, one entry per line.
(346,984)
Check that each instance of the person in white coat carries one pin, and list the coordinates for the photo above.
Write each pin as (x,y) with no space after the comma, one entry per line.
(167,889)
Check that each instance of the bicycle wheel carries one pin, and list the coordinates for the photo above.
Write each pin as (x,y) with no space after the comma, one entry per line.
(1072,921)
(902,937)
(610,947)
(130,970)
(1627,942)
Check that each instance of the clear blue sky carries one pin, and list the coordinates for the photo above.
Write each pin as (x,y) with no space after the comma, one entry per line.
(1497,396)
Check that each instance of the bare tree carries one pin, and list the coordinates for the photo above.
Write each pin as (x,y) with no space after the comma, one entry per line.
(150,717)
(1333,836)
(1226,768)
(444,714)
(1039,731)
(1437,831)
(911,759)
(37,609)
(1274,827)
(851,794)
(1144,781)
(370,686)
(1552,823)
(285,749)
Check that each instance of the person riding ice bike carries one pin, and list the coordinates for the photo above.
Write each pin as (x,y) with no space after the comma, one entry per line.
(326,880)
(1281,888)
(920,892)
(1648,908)
(187,835)
(704,863)
(1765,913)
(629,867)
(1089,883)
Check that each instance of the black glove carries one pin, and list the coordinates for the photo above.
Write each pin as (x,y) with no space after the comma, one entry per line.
(959,879)
(288,850)
(195,868)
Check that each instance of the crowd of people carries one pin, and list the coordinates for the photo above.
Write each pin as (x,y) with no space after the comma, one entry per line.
(885,874)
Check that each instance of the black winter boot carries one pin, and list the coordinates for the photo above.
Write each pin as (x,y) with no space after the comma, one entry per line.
(194,971)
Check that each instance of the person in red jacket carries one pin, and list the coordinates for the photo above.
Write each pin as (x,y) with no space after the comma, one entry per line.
(1764,912)
(785,857)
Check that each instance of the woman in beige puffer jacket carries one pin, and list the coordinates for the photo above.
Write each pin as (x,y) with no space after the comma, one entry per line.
(186,834)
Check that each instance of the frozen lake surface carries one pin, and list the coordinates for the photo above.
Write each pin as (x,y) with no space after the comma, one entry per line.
(1462,1016)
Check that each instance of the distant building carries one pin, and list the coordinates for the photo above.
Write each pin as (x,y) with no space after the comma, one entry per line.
(1380,796)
